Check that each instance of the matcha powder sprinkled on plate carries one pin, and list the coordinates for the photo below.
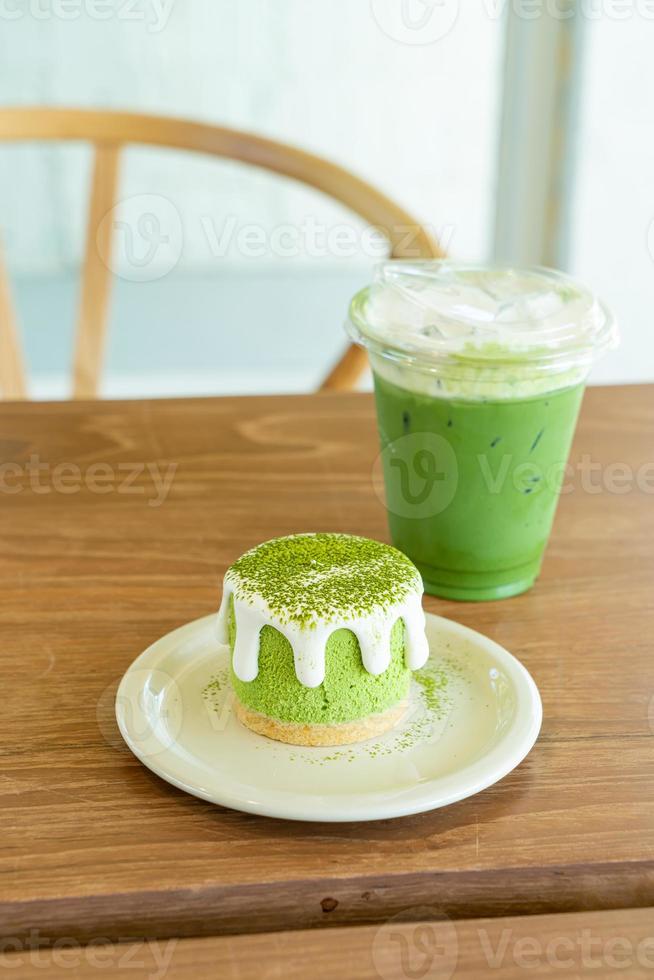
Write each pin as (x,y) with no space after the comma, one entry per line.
(305,578)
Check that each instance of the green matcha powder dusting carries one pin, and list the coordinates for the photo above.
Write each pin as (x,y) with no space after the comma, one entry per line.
(309,577)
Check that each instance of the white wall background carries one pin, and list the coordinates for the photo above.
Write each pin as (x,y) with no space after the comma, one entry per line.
(612,233)
(417,120)
(335,76)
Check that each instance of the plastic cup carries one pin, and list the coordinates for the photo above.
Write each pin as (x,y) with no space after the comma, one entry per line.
(479,375)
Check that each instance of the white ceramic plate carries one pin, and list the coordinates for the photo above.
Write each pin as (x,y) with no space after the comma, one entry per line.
(474,714)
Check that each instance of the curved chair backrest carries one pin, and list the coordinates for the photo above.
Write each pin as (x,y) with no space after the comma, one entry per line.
(110,132)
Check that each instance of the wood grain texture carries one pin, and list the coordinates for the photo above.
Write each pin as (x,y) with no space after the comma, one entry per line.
(595,944)
(96,845)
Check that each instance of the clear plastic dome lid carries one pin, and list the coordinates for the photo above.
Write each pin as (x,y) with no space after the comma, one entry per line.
(443,315)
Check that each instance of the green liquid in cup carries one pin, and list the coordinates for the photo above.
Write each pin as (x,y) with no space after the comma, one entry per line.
(479,375)
(472,485)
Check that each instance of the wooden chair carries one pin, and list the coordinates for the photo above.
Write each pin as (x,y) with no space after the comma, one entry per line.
(110,132)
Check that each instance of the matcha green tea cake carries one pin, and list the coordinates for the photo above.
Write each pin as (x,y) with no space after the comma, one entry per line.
(324,631)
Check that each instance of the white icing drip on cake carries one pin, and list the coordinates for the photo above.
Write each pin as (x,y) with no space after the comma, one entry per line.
(372,630)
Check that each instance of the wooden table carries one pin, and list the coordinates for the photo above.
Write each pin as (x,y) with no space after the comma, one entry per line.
(95,846)
(601,945)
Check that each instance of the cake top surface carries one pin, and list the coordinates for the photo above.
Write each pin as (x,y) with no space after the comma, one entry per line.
(309,578)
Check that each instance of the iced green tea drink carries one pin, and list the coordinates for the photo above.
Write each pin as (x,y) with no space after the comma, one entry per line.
(479,375)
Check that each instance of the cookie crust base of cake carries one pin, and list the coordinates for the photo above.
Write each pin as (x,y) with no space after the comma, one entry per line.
(299,733)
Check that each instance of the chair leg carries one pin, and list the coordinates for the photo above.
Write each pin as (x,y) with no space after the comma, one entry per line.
(349,370)
(12,372)
(96,278)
